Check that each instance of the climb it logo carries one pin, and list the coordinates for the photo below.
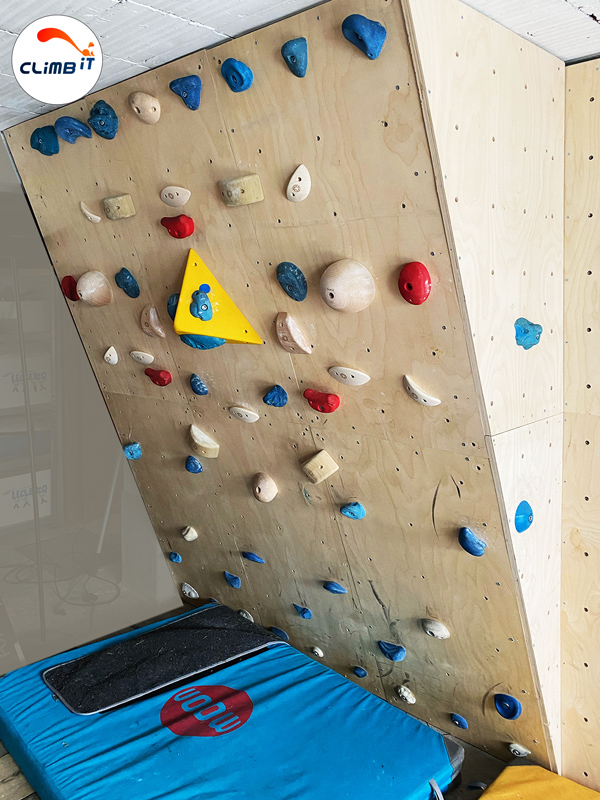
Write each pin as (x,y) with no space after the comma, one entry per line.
(206,711)
(57,59)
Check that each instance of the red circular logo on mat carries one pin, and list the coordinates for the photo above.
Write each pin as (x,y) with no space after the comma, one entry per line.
(206,711)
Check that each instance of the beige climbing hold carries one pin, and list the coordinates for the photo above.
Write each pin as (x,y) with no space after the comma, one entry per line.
(348,286)
(405,694)
(202,444)
(316,651)
(189,534)
(349,376)
(241,191)
(141,357)
(119,207)
(94,289)
(418,394)
(189,591)
(111,356)
(299,184)
(151,325)
(434,628)
(89,214)
(175,196)
(264,487)
(245,414)
(145,107)
(319,467)
(290,336)
(246,614)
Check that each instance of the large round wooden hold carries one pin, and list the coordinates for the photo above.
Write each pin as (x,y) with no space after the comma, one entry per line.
(347,285)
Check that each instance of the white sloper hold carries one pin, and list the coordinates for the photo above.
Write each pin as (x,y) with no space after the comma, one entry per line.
(175,196)
(418,394)
(141,357)
(202,443)
(111,356)
(316,651)
(189,534)
(433,627)
(246,614)
(151,325)
(405,694)
(94,289)
(89,214)
(188,590)
(244,414)
(518,750)
(299,184)
(349,376)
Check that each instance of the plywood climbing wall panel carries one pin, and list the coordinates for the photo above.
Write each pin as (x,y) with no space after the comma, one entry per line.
(421,472)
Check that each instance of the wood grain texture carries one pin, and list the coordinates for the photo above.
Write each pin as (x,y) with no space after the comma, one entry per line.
(13,785)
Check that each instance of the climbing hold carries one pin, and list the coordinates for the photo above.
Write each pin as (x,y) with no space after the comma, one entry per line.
(507,706)
(335,588)
(193,465)
(304,612)
(125,280)
(118,207)
(145,107)
(277,396)
(233,580)
(418,394)
(69,287)
(353,510)
(188,590)
(161,377)
(527,334)
(150,322)
(141,358)
(347,286)
(172,305)
(322,401)
(405,694)
(244,414)
(45,140)
(319,467)
(366,34)
(201,307)
(290,336)
(198,385)
(518,750)
(202,444)
(89,214)
(189,89)
(179,227)
(316,651)
(292,280)
(459,721)
(280,633)
(434,628)
(239,77)
(471,543)
(70,129)
(189,534)
(523,516)
(175,557)
(414,283)
(264,487)
(360,672)
(295,55)
(395,652)
(241,191)
(175,196)
(252,557)
(349,376)
(246,614)
(133,451)
(103,120)
(299,184)
(201,342)
(111,356)
(94,289)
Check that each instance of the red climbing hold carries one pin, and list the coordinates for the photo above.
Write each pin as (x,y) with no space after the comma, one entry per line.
(159,376)
(322,401)
(69,287)
(414,283)
(179,227)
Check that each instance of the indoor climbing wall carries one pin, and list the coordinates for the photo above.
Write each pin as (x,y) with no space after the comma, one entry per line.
(581,498)
(497,119)
(350,566)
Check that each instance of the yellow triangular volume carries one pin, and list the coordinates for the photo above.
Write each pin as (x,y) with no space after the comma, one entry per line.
(215,313)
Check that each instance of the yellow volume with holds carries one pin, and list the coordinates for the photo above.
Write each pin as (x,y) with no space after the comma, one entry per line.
(205,308)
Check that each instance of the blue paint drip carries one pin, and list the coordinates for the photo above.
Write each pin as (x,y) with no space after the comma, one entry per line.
(527,334)
(45,140)
(125,280)
(304,612)
(459,721)
(193,465)
(395,652)
(292,280)
(103,120)
(360,672)
(189,89)
(198,385)
(523,516)
(201,342)
(252,557)
(353,510)
(175,557)
(172,303)
(233,580)
(471,543)
(508,706)
(70,129)
(334,588)
(201,307)
(238,75)
(280,632)
(366,34)
(295,55)
(277,396)
(133,451)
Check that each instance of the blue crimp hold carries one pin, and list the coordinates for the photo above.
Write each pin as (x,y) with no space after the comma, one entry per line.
(193,465)
(277,396)
(125,280)
(292,280)
(523,516)
(395,652)
(459,721)
(189,89)
(252,557)
(45,140)
(304,612)
(201,342)
(353,510)
(508,706)
(175,557)
(471,543)
(172,303)
(198,385)
(295,55)
(334,588)
(360,672)
(70,129)
(527,334)
(103,120)
(280,632)
(201,307)
(238,75)
(233,580)
(133,451)
(367,34)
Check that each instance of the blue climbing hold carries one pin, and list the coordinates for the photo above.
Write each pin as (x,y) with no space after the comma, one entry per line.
(277,396)
(367,34)
(198,385)
(103,120)
(395,652)
(353,510)
(133,451)
(334,587)
(360,672)
(280,632)
(45,140)
(252,557)
(295,55)
(471,543)
(459,721)
(70,129)
(523,516)
(239,77)
(527,333)
(188,88)
(292,280)
(507,706)
(201,342)
(175,557)
(125,280)
(233,580)
(172,303)
(201,307)
(304,612)
(193,465)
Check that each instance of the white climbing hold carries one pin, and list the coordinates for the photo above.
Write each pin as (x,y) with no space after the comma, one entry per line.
(518,750)
(89,214)
(316,651)
(245,414)
(347,286)
(189,534)
(246,614)
(290,336)
(299,184)
(434,628)
(418,394)
(175,196)
(405,694)
(349,376)
(202,443)
(264,487)
(145,106)
(111,356)
(94,289)
(188,590)
(151,325)
(141,357)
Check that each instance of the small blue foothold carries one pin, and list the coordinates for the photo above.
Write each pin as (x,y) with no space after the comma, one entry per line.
(304,612)
(172,305)
(507,706)
(367,34)
(133,451)
(125,280)
(103,120)
(198,385)
(193,465)
(471,543)
(233,580)
(459,721)
(201,342)
(334,587)
(280,632)
(360,672)
(395,652)
(175,558)
(70,129)
(45,140)
(527,334)
(238,75)
(252,557)
(201,307)
(523,516)
(277,396)
(292,280)
(295,55)
(188,88)
(353,510)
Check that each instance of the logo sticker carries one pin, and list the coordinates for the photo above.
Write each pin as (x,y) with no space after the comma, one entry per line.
(57,59)
(206,711)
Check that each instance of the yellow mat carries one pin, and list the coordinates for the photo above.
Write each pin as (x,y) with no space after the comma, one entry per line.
(535,783)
